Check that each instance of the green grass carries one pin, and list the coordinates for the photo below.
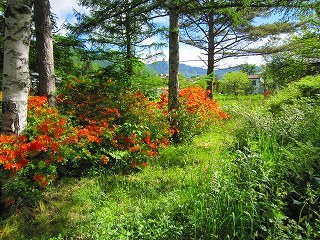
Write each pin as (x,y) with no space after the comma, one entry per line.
(243,100)
(117,206)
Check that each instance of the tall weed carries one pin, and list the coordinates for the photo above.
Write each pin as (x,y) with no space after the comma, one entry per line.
(280,158)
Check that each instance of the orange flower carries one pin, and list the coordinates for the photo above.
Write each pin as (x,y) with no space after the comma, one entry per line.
(44,182)
(134,148)
(38,177)
(152,153)
(105,159)
(152,145)
(42,179)
(165,142)
(36,102)
(47,161)
(69,86)
(144,164)
(37,145)
(147,138)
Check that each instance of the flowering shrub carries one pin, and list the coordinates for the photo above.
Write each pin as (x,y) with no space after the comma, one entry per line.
(32,161)
(29,161)
(89,100)
(145,128)
(197,101)
(129,117)
(196,111)
(94,129)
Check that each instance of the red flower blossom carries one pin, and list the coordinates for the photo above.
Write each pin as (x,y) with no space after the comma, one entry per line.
(42,179)
(135,148)
(37,145)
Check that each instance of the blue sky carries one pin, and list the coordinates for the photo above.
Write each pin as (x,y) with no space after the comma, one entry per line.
(64,11)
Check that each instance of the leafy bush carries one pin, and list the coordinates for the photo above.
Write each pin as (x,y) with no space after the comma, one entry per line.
(305,90)
(29,161)
(285,68)
(54,146)
(235,83)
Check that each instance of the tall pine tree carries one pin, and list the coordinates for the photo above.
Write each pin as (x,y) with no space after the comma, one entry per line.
(44,50)
(117,28)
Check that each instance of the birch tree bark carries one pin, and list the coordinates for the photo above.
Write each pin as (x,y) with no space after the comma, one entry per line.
(16,79)
(43,25)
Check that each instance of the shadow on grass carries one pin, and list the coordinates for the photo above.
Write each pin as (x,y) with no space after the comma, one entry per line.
(59,213)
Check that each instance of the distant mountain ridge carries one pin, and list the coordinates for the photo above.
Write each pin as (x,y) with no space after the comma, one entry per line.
(162,67)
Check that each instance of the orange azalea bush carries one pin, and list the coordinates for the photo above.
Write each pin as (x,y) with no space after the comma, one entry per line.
(196,112)
(44,136)
(197,101)
(31,162)
(144,131)
(130,116)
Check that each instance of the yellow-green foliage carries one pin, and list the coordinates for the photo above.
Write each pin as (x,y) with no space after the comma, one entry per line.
(307,89)
(235,83)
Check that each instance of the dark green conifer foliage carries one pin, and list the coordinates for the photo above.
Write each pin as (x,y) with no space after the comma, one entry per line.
(117,28)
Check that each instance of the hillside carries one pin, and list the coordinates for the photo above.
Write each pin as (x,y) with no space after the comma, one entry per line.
(162,67)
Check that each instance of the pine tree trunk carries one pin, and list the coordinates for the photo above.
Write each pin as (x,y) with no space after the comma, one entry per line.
(211,52)
(129,48)
(16,78)
(47,84)
(173,85)
(173,59)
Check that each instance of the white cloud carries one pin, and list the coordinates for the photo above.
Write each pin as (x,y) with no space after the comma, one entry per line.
(193,56)
(64,10)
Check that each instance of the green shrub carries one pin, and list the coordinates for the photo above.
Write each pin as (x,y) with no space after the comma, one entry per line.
(285,68)
(235,83)
(305,90)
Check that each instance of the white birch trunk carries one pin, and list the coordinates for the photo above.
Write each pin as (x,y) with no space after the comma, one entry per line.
(16,79)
